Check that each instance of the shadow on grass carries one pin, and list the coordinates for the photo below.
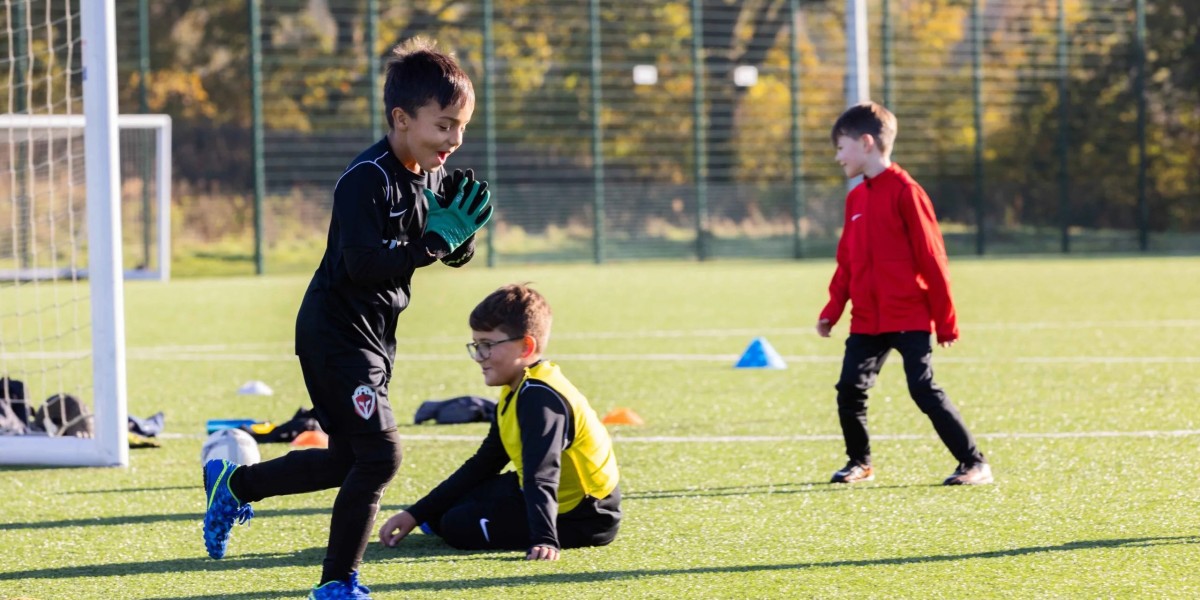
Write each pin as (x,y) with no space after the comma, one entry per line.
(313,555)
(803,487)
(144,519)
(418,548)
(300,558)
(162,488)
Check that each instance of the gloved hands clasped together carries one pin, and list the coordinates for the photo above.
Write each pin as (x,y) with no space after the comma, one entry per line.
(462,208)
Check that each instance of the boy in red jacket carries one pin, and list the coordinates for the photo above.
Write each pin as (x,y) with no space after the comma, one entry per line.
(891,266)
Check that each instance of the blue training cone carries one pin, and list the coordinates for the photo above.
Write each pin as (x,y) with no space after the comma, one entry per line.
(760,355)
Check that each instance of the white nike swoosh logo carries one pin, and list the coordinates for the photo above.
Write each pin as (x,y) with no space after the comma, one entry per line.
(483,525)
(855,217)
(396,214)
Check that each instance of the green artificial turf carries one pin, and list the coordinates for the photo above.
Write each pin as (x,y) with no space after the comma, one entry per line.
(1080,377)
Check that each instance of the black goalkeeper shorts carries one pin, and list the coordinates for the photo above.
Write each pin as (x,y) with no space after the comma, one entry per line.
(348,398)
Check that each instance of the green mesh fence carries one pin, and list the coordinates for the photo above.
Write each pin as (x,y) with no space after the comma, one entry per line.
(590,163)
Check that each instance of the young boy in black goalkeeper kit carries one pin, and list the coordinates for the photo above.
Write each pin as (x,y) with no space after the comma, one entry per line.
(387,222)
(563,491)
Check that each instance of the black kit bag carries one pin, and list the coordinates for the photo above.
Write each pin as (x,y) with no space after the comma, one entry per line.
(64,415)
(463,409)
(14,412)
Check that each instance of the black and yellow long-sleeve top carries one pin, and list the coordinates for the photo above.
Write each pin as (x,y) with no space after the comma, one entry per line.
(561,451)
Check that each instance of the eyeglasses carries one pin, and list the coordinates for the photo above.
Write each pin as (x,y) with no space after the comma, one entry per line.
(482,350)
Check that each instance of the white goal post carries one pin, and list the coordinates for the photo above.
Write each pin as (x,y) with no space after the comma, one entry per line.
(96,46)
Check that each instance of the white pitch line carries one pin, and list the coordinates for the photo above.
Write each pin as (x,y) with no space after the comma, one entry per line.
(213,357)
(903,437)
(728,439)
(47,355)
(146,354)
(1104,360)
(721,439)
(680,357)
(1000,326)
(282,346)
(1172,323)
(245,351)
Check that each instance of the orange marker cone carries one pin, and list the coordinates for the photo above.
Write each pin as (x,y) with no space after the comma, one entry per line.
(311,439)
(622,416)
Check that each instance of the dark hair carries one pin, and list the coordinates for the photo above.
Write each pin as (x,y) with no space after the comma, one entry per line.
(418,72)
(867,118)
(515,309)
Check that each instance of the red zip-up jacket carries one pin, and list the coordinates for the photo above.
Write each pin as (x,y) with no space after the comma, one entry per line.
(891,261)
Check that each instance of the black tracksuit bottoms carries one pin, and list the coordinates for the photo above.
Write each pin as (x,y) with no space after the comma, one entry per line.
(493,517)
(360,459)
(864,358)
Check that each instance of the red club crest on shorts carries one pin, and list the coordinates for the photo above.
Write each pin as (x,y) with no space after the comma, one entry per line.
(364,401)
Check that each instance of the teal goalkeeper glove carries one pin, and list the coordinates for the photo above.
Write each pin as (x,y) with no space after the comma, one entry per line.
(457,219)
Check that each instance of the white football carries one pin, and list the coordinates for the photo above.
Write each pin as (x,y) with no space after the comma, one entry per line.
(233,445)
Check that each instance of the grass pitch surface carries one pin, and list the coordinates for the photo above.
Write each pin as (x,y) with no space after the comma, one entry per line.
(1079,377)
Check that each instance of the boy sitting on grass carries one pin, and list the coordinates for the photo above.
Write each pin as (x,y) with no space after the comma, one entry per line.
(563,491)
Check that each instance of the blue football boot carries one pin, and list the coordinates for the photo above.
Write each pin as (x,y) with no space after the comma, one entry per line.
(341,590)
(223,508)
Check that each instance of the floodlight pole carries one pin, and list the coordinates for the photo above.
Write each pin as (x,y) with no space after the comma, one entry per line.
(977,95)
(489,116)
(144,108)
(597,134)
(1143,206)
(373,76)
(1064,190)
(858,69)
(256,126)
(699,124)
(798,198)
(889,63)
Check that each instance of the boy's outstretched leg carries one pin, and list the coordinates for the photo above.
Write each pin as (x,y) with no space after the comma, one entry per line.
(222,507)
(917,350)
(229,489)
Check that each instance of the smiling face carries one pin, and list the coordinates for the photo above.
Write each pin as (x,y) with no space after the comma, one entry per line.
(425,140)
(503,357)
(853,154)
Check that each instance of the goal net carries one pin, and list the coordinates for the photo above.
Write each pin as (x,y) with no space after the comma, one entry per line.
(61,246)
(44,157)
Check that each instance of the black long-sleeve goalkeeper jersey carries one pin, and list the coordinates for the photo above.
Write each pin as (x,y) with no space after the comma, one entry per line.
(376,241)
